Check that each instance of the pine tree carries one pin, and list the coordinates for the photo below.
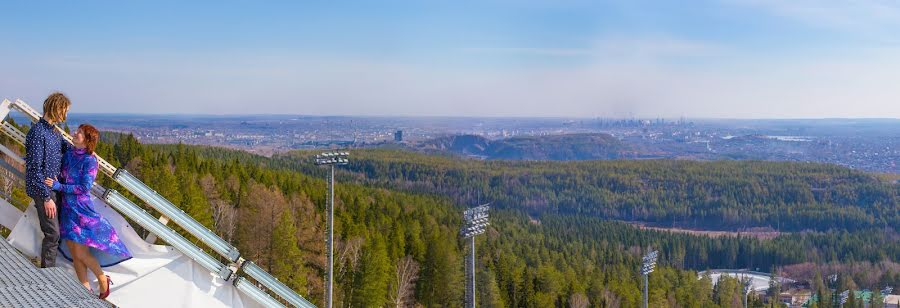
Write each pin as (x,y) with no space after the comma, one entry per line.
(851,300)
(774,287)
(373,276)
(877,300)
(287,259)
(194,202)
(441,274)
(489,290)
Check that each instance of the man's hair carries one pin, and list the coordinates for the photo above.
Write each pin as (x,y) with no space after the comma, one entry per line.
(91,137)
(55,107)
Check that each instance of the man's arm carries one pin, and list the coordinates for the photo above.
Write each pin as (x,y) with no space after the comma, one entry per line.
(35,157)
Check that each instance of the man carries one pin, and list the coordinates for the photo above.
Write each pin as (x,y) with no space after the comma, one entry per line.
(44,147)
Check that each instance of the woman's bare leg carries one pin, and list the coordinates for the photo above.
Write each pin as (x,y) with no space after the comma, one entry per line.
(80,268)
(91,263)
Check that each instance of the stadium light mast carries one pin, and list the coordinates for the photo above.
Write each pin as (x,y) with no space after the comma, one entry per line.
(844,297)
(476,220)
(748,286)
(331,159)
(648,266)
(835,299)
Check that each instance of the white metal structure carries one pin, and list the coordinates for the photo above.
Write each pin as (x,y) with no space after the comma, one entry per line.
(330,159)
(748,287)
(476,222)
(844,297)
(228,272)
(647,267)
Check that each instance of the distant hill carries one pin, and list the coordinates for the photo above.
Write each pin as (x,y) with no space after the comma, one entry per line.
(459,144)
(553,147)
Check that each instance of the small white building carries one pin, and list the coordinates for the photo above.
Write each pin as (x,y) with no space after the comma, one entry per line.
(892,301)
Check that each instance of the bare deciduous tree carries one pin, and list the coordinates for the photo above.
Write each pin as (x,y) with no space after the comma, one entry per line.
(223,213)
(579,300)
(258,218)
(223,217)
(346,263)
(348,256)
(610,298)
(310,229)
(403,288)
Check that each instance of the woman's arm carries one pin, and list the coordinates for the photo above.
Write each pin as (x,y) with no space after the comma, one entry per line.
(83,181)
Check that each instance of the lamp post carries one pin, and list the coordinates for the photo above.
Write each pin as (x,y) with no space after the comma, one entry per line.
(835,300)
(844,297)
(476,220)
(748,286)
(331,159)
(648,266)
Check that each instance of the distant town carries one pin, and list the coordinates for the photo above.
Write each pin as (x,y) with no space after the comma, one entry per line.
(870,145)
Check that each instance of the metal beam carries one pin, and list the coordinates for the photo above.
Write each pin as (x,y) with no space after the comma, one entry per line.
(254,292)
(162,205)
(258,274)
(125,206)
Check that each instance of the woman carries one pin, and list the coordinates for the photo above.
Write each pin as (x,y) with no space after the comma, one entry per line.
(87,235)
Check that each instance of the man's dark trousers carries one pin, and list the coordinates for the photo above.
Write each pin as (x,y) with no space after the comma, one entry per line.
(50,229)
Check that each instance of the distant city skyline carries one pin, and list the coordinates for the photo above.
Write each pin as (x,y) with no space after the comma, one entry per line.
(738,59)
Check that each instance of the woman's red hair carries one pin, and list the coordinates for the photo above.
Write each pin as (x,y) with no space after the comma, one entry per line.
(91,137)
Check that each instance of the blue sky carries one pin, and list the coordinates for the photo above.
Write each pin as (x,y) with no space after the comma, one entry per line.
(730,58)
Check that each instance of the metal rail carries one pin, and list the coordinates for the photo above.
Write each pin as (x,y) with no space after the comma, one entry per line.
(126,207)
(177,215)
(263,277)
(256,293)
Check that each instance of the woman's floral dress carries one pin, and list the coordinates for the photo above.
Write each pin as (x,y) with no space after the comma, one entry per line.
(78,222)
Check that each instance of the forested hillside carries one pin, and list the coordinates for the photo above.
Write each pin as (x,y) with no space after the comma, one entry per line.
(709,195)
(272,208)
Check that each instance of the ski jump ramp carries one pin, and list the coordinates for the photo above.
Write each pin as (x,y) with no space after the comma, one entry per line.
(156,276)
(179,274)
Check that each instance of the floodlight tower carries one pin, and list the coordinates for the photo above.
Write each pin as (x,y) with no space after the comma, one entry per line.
(648,266)
(748,286)
(844,297)
(835,300)
(476,220)
(331,159)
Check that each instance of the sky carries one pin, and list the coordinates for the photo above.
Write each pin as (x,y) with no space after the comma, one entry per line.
(553,58)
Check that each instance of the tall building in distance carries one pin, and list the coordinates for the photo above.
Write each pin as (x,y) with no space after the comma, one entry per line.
(398,136)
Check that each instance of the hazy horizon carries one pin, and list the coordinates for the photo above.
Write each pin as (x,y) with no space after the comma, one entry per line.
(233,115)
(727,59)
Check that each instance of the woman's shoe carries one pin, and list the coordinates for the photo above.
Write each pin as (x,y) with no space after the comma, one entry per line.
(108,282)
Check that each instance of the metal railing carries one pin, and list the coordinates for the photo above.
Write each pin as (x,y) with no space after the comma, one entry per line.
(141,217)
(161,204)
(158,226)
(263,277)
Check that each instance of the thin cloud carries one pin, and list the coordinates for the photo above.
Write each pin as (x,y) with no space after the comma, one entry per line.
(561,52)
(871,19)
(653,48)
(618,46)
